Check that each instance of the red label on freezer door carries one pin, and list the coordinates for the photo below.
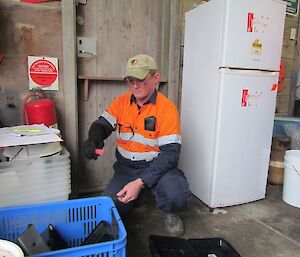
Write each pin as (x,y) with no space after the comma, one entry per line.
(250,22)
(244,97)
(251,99)
(274,87)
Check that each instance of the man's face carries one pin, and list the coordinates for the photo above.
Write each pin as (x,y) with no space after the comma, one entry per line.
(143,89)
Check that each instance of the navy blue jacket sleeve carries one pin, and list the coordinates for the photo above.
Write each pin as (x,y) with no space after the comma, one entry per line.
(166,160)
(108,128)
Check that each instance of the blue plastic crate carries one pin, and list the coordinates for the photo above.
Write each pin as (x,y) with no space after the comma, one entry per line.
(74,220)
(279,122)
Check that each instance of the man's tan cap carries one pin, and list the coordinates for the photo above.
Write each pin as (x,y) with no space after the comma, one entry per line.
(139,66)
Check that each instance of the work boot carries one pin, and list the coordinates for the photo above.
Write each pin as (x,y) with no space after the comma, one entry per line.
(174,224)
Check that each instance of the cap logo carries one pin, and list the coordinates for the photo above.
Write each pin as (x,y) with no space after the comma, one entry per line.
(134,62)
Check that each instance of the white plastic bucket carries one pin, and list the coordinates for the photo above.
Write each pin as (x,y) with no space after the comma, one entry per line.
(291,181)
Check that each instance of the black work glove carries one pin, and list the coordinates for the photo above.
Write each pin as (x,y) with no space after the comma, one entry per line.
(89,148)
(97,134)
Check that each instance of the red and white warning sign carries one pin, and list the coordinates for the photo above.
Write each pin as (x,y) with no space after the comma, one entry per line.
(251,99)
(43,72)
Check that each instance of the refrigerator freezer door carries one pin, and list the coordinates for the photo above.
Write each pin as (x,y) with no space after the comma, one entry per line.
(253,34)
(246,107)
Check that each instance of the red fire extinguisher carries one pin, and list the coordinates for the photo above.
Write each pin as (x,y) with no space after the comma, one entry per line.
(40,110)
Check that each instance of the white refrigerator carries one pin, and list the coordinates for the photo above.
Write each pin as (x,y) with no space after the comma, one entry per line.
(232,52)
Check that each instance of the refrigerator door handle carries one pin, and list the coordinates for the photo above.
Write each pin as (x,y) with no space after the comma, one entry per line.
(249,72)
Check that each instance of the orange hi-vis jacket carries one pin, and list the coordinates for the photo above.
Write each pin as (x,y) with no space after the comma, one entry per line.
(141,131)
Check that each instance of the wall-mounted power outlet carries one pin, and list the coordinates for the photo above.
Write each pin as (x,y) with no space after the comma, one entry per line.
(86,46)
(293,34)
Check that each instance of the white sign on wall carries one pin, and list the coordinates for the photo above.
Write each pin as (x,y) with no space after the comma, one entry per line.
(43,72)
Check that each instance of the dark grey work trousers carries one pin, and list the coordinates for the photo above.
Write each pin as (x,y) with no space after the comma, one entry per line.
(171,192)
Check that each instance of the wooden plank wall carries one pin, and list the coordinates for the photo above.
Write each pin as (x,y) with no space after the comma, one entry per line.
(27,29)
(123,29)
(290,57)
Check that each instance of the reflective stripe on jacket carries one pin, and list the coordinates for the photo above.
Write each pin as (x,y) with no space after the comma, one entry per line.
(142,131)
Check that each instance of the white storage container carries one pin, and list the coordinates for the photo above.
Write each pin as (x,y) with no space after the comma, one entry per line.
(291,181)
(35,179)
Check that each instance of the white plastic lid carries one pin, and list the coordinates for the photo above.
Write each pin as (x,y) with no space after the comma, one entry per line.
(10,249)
(29,151)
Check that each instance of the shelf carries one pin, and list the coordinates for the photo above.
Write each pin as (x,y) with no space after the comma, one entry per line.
(101,78)
(88,78)
(114,79)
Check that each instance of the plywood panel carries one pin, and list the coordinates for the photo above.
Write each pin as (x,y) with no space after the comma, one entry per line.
(288,49)
(283,105)
(27,29)
(189,4)
(123,29)
(174,51)
(289,67)
(289,24)
(286,87)
(285,98)
(87,23)
(94,175)
(290,57)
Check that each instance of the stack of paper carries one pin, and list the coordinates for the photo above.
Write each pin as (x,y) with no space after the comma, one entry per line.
(28,135)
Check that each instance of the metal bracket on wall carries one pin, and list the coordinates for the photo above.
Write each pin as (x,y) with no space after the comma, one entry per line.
(80,2)
(86,80)
(86,47)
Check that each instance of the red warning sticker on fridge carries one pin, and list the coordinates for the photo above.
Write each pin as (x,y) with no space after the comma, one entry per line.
(250,22)
(251,98)
(244,97)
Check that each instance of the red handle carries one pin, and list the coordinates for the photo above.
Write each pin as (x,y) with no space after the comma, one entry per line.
(99,151)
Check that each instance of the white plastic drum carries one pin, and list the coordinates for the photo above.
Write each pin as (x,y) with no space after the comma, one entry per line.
(10,249)
(30,151)
(291,181)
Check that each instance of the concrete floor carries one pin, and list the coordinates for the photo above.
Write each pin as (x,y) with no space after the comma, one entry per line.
(268,227)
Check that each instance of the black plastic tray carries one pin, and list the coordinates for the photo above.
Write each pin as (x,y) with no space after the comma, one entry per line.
(161,246)
(209,246)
